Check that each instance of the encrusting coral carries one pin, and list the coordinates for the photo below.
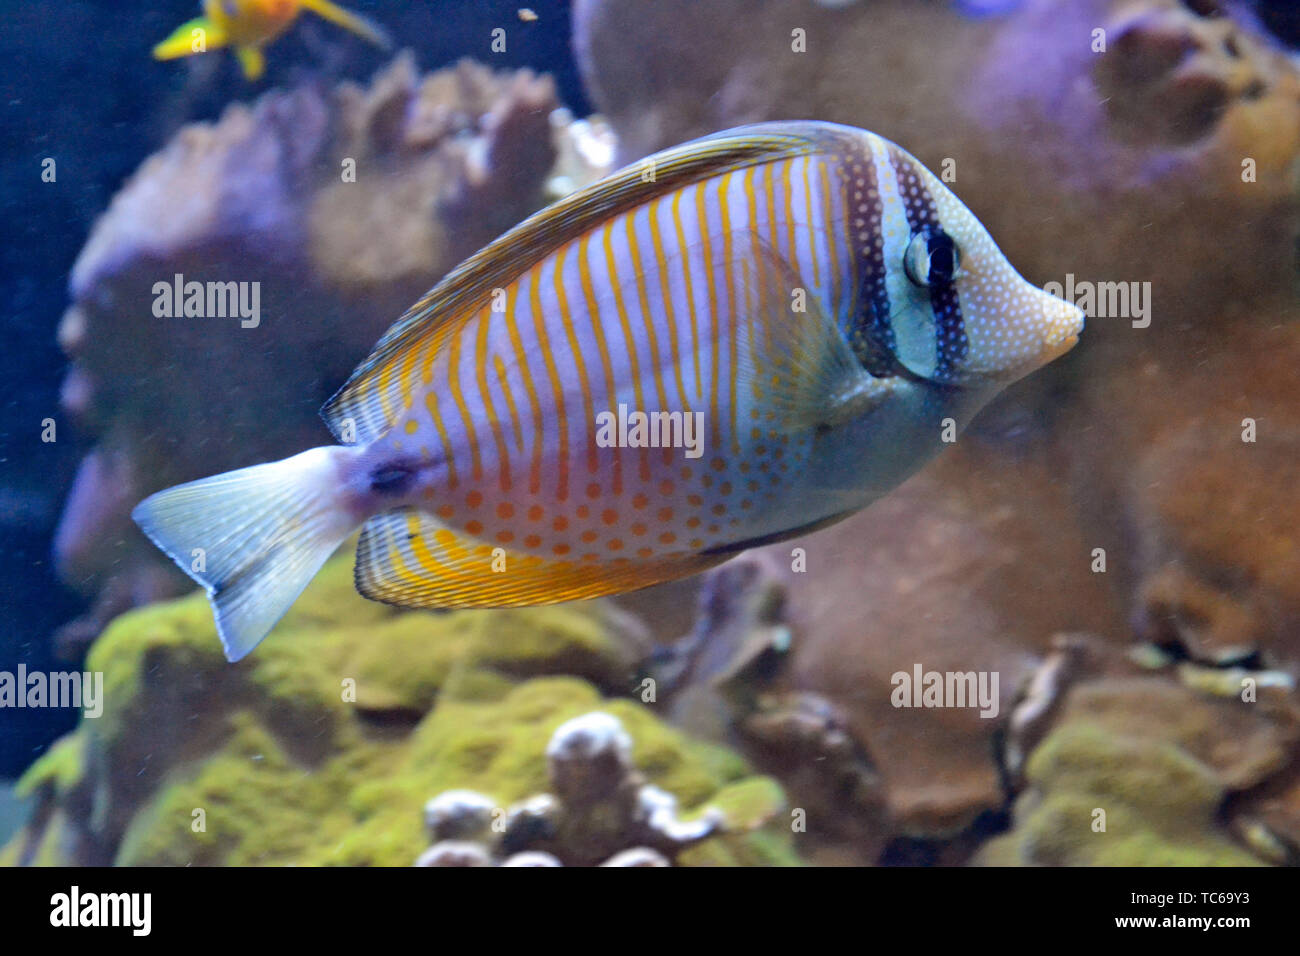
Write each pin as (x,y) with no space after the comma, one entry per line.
(1138,771)
(322,746)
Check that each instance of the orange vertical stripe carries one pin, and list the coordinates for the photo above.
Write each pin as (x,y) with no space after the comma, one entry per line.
(544,341)
(584,380)
(830,236)
(448,453)
(485,392)
(453,382)
(728,257)
(504,384)
(806,164)
(685,275)
(703,221)
(521,361)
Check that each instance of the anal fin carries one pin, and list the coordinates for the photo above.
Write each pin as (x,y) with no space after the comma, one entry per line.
(406,558)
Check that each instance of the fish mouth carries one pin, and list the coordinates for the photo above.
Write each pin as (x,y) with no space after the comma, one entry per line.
(1054,352)
(1061,323)
(1050,353)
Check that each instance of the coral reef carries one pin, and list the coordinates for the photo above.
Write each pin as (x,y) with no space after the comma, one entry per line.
(710,676)
(341,206)
(586,152)
(1140,771)
(322,747)
(720,680)
(600,811)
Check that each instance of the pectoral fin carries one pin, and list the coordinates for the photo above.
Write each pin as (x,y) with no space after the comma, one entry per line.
(198,36)
(798,364)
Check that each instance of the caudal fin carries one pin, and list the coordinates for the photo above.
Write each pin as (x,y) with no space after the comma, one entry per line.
(254,538)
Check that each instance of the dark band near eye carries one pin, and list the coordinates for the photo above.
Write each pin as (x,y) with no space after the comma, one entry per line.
(943,257)
(931,258)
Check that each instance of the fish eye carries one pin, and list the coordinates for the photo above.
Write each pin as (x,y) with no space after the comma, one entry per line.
(932,257)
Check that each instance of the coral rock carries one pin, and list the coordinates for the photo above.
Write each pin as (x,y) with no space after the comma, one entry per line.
(531,858)
(1139,771)
(640,856)
(454,853)
(343,205)
(323,746)
(588,758)
(458,815)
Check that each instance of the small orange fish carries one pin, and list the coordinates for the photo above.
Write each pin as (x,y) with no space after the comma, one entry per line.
(246,26)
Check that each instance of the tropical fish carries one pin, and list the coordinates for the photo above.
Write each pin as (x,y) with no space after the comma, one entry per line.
(246,26)
(808,295)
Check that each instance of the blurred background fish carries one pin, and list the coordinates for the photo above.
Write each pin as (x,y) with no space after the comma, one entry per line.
(246,26)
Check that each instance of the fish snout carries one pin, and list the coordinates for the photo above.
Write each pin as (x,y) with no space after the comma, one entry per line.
(1009,344)
(1061,324)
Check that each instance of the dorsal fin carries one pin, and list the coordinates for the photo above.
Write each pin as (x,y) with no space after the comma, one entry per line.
(373,396)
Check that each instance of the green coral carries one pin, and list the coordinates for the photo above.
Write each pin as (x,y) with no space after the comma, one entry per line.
(1160,805)
(58,770)
(323,745)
